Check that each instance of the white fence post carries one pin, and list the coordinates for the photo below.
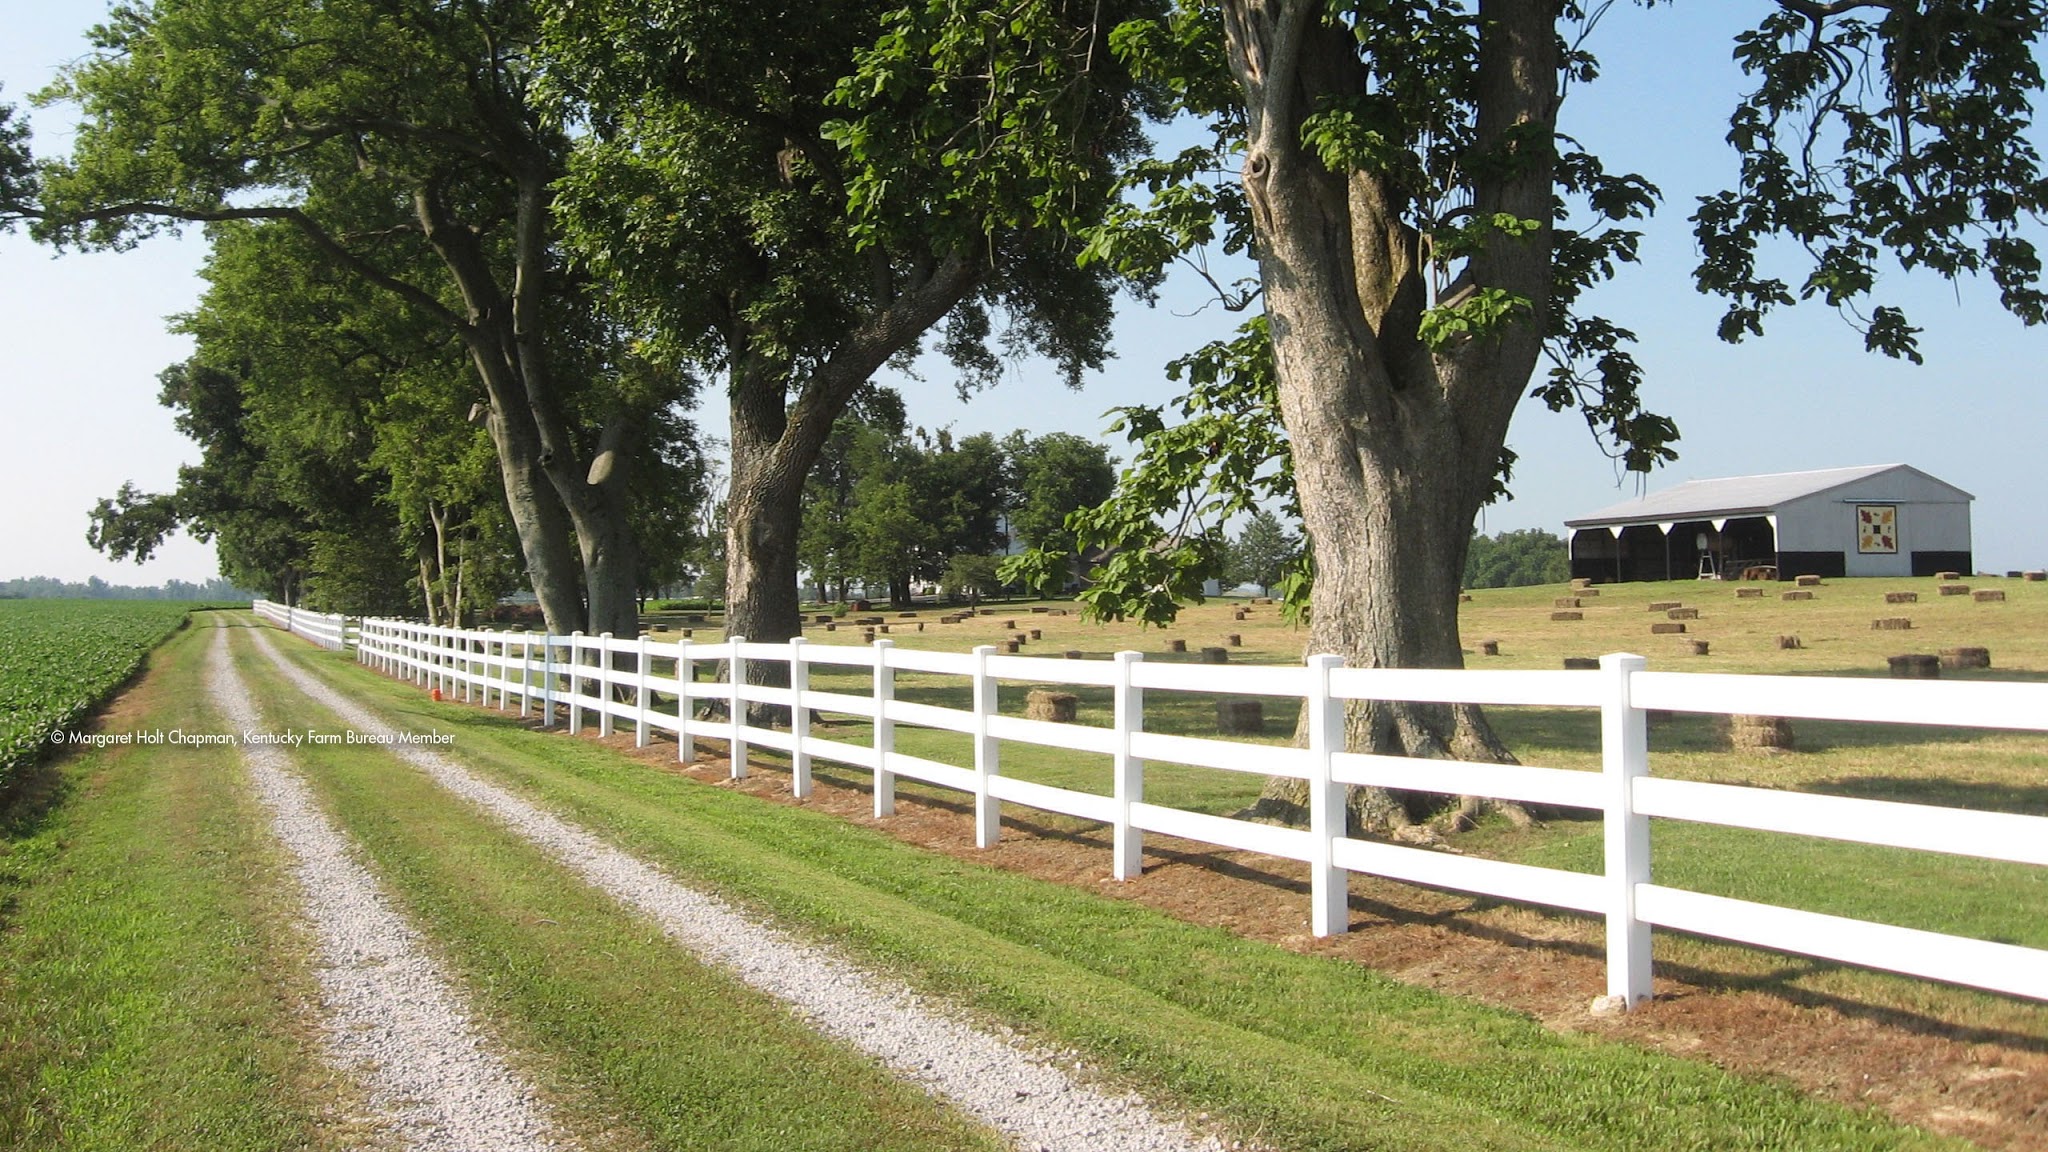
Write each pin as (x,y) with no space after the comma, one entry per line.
(604,684)
(736,668)
(1329,887)
(547,680)
(686,677)
(1625,758)
(799,720)
(466,645)
(525,674)
(641,697)
(575,683)
(1128,841)
(885,731)
(988,811)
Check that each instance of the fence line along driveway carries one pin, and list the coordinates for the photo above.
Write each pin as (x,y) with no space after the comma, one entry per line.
(612,679)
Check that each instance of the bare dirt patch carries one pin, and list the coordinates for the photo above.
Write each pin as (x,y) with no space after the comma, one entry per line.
(1986,1082)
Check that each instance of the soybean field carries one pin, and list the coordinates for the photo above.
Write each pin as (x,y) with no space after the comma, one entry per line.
(60,659)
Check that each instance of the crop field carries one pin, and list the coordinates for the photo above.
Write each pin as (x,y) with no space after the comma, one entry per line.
(60,658)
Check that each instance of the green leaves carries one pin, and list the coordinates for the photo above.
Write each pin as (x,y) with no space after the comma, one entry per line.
(1901,129)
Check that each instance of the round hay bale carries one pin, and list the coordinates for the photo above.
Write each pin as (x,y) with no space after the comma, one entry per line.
(831,627)
(1073,653)
(1240,717)
(920,625)
(661,628)
(1234,640)
(687,633)
(1800,594)
(2036,576)
(867,635)
(1489,647)
(1054,707)
(1019,637)
(1009,625)
(1215,655)
(1788,643)
(1037,633)
(1914,666)
(1666,628)
(1567,615)
(1699,647)
(1989,595)
(1010,646)
(1176,645)
(882,628)
(1966,658)
(1755,733)
(1238,615)
(1891,624)
(1955,589)
(1582,663)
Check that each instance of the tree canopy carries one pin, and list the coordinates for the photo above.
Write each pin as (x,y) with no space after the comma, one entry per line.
(791,196)
(405,143)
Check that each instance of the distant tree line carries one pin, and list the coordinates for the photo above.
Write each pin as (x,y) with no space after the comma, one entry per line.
(216,590)
(1516,559)
(889,506)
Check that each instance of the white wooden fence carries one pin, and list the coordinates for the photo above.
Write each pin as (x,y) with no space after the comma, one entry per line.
(579,676)
(328,630)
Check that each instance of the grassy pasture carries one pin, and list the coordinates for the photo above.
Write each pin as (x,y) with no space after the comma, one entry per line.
(1996,771)
(1296,1051)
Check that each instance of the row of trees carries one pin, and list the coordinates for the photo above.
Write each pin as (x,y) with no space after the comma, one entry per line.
(888,505)
(601,205)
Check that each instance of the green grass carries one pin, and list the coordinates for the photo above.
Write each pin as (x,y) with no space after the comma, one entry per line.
(59,659)
(1304,1051)
(631,1034)
(1994,771)
(149,980)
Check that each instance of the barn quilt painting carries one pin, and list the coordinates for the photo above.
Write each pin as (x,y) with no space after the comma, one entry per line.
(1877,528)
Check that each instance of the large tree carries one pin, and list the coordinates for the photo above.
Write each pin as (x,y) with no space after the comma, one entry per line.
(1423,233)
(403,139)
(796,194)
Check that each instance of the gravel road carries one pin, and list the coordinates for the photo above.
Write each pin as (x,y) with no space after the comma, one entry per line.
(392,1019)
(1026,1094)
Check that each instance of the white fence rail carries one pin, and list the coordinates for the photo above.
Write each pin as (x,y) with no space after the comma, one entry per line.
(612,680)
(328,630)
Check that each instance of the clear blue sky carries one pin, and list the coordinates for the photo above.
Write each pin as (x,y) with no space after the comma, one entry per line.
(82,338)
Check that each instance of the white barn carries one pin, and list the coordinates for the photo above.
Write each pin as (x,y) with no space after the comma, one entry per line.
(1878,520)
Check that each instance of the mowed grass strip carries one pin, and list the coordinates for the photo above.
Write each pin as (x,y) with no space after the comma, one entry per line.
(153,989)
(1300,1051)
(639,1045)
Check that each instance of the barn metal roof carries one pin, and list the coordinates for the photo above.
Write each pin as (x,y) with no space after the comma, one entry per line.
(1735,496)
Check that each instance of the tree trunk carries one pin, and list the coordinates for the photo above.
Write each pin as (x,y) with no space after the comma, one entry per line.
(1395,443)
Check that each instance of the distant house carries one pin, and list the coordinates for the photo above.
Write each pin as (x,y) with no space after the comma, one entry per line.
(1878,520)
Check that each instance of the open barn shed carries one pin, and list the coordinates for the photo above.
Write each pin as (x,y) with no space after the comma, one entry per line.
(1877,520)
